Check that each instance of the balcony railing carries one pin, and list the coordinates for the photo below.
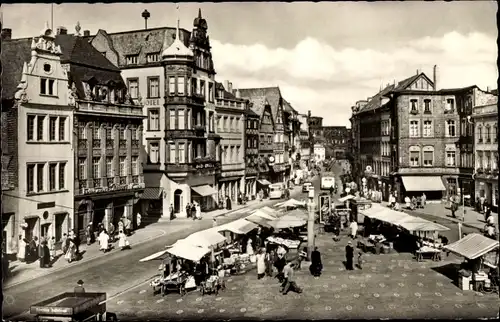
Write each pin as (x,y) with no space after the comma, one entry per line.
(135,179)
(110,182)
(96,144)
(96,183)
(123,180)
(82,184)
(82,144)
(135,143)
(123,143)
(108,108)
(109,143)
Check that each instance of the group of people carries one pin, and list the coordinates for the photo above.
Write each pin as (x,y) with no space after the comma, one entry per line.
(193,210)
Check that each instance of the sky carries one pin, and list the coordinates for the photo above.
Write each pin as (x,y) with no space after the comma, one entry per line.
(324,56)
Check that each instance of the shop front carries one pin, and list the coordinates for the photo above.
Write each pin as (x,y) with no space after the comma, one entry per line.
(277,173)
(251,187)
(205,195)
(414,185)
(488,188)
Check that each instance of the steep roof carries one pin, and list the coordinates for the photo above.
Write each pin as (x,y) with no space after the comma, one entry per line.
(272,94)
(143,42)
(375,102)
(15,52)
(78,50)
(258,104)
(225,93)
(288,107)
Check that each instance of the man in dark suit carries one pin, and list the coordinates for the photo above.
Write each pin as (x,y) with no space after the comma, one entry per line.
(79,287)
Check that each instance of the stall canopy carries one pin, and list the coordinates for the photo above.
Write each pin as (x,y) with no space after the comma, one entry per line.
(423,225)
(259,221)
(240,227)
(204,190)
(206,238)
(419,183)
(264,182)
(188,251)
(265,213)
(299,213)
(153,256)
(472,246)
(290,203)
(287,221)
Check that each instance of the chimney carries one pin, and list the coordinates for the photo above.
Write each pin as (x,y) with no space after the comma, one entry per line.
(6,34)
(230,88)
(487,89)
(86,33)
(226,85)
(62,30)
(237,93)
(435,77)
(418,71)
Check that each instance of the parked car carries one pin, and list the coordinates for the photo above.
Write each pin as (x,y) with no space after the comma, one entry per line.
(306,186)
(276,191)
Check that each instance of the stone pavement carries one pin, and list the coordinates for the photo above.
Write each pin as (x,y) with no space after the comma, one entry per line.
(472,218)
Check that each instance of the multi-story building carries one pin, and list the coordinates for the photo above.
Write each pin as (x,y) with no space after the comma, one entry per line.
(231,124)
(319,152)
(316,126)
(485,118)
(305,142)
(181,124)
(279,162)
(91,172)
(251,152)
(467,98)
(336,141)
(354,147)
(261,107)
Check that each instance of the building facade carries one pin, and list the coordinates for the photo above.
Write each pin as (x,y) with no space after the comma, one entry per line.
(305,142)
(316,126)
(251,152)
(319,152)
(231,125)
(485,118)
(336,141)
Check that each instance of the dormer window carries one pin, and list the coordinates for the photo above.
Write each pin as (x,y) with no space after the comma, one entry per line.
(153,57)
(47,86)
(132,59)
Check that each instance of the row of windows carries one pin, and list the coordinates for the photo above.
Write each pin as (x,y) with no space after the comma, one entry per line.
(229,124)
(178,153)
(385,149)
(428,129)
(386,127)
(56,125)
(253,124)
(414,106)
(263,140)
(379,167)
(231,154)
(134,59)
(484,133)
(487,160)
(37,174)
(112,131)
(109,166)
(252,143)
(47,87)
(426,157)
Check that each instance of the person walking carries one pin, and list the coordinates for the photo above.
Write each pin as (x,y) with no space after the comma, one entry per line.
(261,263)
(41,255)
(104,241)
(79,287)
(111,232)
(228,203)
(198,211)
(316,264)
(52,248)
(64,243)
(349,254)
(138,220)
(268,262)
(289,283)
(353,226)
(123,243)
(21,254)
(188,210)
(171,211)
(71,251)
(88,234)
(193,210)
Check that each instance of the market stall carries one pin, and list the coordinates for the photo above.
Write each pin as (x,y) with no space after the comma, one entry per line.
(481,254)
(259,220)
(291,203)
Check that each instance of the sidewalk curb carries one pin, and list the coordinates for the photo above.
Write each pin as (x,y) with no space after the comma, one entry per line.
(85,260)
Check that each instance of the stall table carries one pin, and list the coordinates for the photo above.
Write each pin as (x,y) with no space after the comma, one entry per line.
(435,253)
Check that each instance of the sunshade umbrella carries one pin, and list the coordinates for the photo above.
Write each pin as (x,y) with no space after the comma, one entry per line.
(287,221)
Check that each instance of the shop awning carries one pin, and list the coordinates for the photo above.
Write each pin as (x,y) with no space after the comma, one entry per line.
(264,182)
(206,238)
(419,183)
(152,193)
(265,213)
(240,227)
(423,225)
(290,203)
(204,190)
(153,256)
(288,221)
(299,213)
(472,246)
(187,251)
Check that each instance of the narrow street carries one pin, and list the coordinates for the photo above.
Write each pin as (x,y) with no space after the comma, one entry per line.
(114,273)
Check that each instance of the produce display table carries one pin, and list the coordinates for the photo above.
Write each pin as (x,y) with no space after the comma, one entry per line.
(434,253)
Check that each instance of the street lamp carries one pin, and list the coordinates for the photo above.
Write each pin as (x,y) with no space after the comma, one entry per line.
(146,15)
(311,207)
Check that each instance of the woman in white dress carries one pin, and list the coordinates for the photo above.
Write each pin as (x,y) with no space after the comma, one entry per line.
(104,240)
(261,263)
(21,254)
(71,252)
(198,211)
(122,240)
(249,247)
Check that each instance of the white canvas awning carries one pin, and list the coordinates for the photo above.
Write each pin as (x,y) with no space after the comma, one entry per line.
(204,190)
(188,251)
(421,183)
(240,227)
(206,238)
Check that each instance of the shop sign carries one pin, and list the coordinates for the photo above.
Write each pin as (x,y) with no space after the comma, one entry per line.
(153,102)
(113,187)
(43,205)
(204,166)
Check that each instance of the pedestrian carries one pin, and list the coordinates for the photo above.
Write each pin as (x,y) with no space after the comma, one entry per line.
(193,210)
(188,210)
(71,251)
(354,229)
(360,259)
(52,248)
(316,265)
(261,263)
(104,241)
(138,220)
(111,232)
(21,254)
(64,243)
(349,254)
(88,234)
(33,250)
(268,263)
(261,194)
(453,208)
(198,211)
(79,287)
(41,255)
(249,247)
(289,283)
(123,243)
(171,210)
(487,212)
(126,225)
(228,203)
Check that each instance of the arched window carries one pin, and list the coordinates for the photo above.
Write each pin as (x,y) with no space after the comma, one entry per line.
(414,156)
(428,156)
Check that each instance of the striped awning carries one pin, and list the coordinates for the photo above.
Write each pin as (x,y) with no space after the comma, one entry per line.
(472,246)
(152,193)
